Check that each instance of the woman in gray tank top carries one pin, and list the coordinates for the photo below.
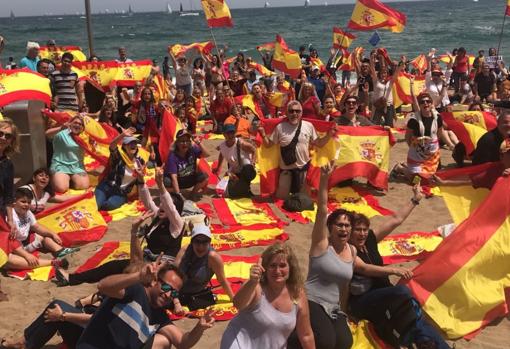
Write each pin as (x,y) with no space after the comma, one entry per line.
(331,265)
(271,304)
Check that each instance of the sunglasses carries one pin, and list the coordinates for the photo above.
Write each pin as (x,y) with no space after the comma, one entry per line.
(66,61)
(201,241)
(165,288)
(351,102)
(292,111)
(7,136)
(425,101)
(342,225)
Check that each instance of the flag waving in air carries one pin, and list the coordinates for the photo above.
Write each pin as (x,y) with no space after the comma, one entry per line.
(23,84)
(507,11)
(217,13)
(202,47)
(372,14)
(342,39)
(285,59)
(55,53)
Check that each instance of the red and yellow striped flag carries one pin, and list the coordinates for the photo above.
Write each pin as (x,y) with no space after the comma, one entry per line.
(169,128)
(55,53)
(247,101)
(469,126)
(402,89)
(285,59)
(202,47)
(507,10)
(420,63)
(217,13)
(372,14)
(465,290)
(260,68)
(342,39)
(349,59)
(269,46)
(23,84)
(128,74)
(76,221)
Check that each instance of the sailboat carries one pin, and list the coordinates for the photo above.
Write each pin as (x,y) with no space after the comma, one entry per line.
(267,4)
(168,9)
(130,11)
(307,3)
(325,3)
(185,13)
(12,15)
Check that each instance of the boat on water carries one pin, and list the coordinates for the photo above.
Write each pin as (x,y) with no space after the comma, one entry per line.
(183,13)
(267,4)
(168,9)
(130,11)
(307,3)
(12,15)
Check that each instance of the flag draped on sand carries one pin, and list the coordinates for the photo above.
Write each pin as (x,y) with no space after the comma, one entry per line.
(462,285)
(245,212)
(469,126)
(402,90)
(285,59)
(36,274)
(76,221)
(342,39)
(23,84)
(202,47)
(372,14)
(217,13)
(55,53)
(356,200)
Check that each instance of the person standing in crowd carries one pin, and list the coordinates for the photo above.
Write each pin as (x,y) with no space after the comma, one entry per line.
(485,84)
(32,56)
(68,91)
(123,58)
(436,84)
(271,304)
(382,97)
(487,147)
(43,67)
(295,136)
(461,67)
(310,103)
(239,154)
(182,75)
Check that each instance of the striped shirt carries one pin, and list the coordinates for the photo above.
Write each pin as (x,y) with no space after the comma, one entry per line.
(64,87)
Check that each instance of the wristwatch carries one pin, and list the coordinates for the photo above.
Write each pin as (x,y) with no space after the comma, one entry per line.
(415,202)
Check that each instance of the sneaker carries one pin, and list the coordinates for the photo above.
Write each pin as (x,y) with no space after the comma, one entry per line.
(60,263)
(66,250)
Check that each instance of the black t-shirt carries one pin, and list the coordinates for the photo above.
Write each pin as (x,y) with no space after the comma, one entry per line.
(123,323)
(372,256)
(363,79)
(361,120)
(487,148)
(427,122)
(485,83)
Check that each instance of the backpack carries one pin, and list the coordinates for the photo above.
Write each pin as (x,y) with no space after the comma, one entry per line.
(298,202)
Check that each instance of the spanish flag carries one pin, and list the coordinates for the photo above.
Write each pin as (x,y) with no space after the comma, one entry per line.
(55,53)
(169,128)
(285,59)
(23,84)
(318,62)
(76,221)
(507,10)
(246,212)
(358,152)
(463,285)
(400,248)
(247,101)
(355,199)
(202,47)
(402,88)
(342,39)
(217,13)
(269,46)
(469,126)
(420,63)
(260,68)
(128,74)
(277,99)
(349,59)
(372,14)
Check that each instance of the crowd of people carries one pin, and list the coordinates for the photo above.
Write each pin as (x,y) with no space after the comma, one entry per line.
(278,307)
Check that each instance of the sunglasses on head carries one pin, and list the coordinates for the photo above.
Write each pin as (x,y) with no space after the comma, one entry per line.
(168,288)
(7,136)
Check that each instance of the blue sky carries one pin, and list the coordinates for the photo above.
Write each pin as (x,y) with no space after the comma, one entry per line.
(40,7)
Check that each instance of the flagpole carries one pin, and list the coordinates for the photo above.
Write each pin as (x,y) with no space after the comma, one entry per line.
(218,52)
(501,34)
(89,27)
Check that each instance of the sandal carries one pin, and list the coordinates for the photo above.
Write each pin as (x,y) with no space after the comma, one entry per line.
(61,280)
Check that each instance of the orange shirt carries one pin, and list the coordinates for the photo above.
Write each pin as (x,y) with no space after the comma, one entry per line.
(243,127)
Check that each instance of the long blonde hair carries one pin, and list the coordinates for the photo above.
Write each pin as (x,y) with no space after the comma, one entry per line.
(295,281)
(14,147)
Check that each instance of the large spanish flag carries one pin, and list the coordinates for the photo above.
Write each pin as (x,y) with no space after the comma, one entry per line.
(358,152)
(462,285)
(202,47)
(285,59)
(169,128)
(55,53)
(23,84)
(372,14)
(402,89)
(342,39)
(217,13)
(420,63)
(469,126)
(260,68)
(76,221)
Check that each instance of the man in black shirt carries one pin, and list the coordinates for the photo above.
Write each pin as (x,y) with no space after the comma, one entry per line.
(487,148)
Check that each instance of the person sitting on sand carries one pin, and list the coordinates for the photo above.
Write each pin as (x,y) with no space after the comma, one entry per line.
(240,120)
(199,263)
(42,191)
(271,304)
(181,169)
(220,109)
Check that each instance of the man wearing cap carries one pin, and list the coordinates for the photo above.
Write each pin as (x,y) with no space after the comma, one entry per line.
(199,263)
(121,176)
(487,147)
(239,155)
(181,170)
(32,57)
(436,84)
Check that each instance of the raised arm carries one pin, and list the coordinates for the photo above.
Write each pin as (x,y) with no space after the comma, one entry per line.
(373,73)
(320,230)
(128,132)
(175,219)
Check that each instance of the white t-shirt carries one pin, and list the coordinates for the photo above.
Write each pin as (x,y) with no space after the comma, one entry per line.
(230,154)
(23,224)
(284,133)
(182,76)
(382,90)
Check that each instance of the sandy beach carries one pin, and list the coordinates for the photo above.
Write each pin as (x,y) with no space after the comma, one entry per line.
(28,298)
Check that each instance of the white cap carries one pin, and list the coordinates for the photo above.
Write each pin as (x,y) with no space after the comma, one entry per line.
(201,229)
(32,44)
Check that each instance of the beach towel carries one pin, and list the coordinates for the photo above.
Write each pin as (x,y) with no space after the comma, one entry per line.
(355,199)
(465,284)
(407,247)
(245,212)
(76,221)
(129,209)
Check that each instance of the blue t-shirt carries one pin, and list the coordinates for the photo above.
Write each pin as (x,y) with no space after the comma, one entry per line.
(123,323)
(184,167)
(29,63)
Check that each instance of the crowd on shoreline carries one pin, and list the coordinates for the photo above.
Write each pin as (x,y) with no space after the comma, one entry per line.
(278,308)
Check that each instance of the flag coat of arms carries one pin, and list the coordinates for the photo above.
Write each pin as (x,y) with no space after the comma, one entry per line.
(372,14)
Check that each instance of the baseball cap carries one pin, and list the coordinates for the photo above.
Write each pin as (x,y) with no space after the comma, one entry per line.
(201,229)
(229,128)
(129,139)
(182,133)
